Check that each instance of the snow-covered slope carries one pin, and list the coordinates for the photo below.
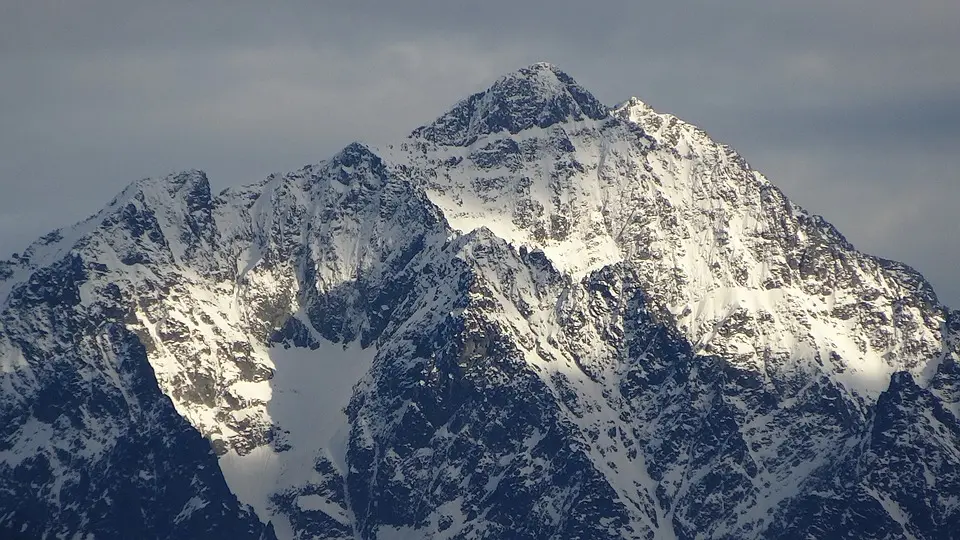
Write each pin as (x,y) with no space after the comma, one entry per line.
(536,317)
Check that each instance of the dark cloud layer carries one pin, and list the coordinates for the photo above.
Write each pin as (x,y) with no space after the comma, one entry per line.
(851,107)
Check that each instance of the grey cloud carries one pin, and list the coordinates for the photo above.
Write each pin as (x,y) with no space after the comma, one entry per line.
(850,106)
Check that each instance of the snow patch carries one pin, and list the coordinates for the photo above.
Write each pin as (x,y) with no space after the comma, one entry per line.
(306,399)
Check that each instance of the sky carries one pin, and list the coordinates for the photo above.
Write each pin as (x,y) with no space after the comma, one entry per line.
(852,107)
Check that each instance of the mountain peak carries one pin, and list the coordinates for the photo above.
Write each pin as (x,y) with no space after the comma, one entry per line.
(538,95)
(544,75)
(538,317)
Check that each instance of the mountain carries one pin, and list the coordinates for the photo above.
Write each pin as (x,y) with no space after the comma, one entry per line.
(536,318)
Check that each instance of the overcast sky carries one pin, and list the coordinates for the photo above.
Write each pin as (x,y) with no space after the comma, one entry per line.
(851,107)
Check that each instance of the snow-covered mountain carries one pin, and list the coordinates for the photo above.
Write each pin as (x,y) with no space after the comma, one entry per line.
(536,317)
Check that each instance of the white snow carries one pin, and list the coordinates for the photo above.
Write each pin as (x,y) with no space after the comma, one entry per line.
(33,437)
(306,399)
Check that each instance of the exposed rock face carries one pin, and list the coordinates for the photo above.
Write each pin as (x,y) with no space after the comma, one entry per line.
(534,318)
